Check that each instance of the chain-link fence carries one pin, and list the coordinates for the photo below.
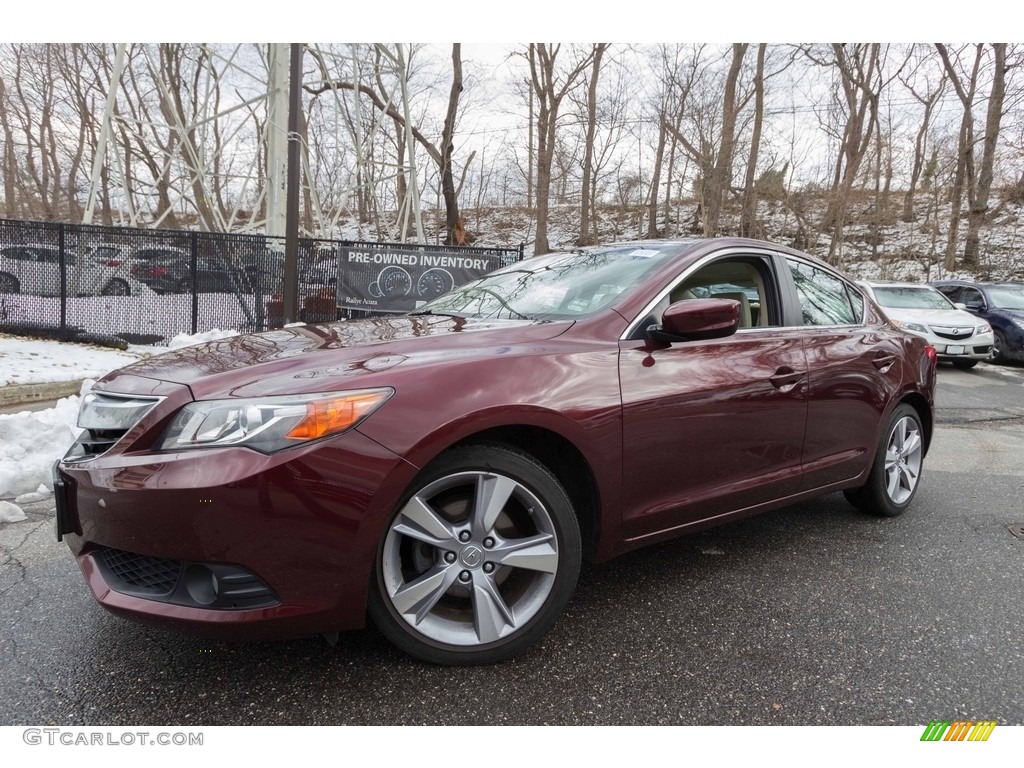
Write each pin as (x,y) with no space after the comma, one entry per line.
(145,286)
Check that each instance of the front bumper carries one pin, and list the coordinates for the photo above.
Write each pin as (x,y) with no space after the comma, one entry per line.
(296,531)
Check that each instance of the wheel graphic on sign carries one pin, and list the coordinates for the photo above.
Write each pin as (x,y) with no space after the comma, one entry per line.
(434,282)
(394,281)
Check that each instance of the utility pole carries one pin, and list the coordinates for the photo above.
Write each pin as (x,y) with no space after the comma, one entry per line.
(291,241)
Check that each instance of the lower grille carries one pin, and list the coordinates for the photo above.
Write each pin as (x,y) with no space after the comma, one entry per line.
(153,576)
(201,585)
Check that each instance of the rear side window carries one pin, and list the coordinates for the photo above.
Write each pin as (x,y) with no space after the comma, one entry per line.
(824,298)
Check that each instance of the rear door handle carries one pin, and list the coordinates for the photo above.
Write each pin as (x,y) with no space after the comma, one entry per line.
(883,361)
(785,379)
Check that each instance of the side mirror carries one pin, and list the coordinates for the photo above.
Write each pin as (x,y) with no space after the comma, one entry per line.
(974,306)
(697,319)
(959,305)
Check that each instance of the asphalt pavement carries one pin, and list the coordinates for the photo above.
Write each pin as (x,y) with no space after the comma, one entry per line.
(811,615)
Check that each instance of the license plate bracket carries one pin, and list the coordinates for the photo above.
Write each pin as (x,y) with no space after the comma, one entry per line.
(955,349)
(63,522)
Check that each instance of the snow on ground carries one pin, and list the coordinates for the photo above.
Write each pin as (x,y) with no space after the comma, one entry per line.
(31,441)
(35,361)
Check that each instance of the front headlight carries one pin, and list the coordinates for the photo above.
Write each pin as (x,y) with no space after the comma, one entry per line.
(983,328)
(910,327)
(270,424)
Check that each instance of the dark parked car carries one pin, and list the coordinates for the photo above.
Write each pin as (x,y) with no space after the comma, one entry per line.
(447,470)
(169,270)
(1001,305)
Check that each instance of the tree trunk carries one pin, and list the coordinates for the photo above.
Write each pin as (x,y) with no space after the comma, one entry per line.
(976,215)
(586,237)
(748,214)
(451,201)
(720,177)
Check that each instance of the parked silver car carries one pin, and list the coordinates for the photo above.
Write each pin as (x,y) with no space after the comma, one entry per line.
(958,336)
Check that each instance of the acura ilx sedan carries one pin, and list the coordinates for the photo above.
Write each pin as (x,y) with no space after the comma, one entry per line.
(445,472)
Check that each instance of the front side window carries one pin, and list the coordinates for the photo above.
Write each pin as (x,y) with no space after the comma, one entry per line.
(824,299)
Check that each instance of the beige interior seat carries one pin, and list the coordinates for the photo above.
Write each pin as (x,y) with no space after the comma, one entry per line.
(745,321)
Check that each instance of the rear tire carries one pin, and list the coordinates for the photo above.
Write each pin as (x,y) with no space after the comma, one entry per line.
(479,559)
(9,283)
(896,469)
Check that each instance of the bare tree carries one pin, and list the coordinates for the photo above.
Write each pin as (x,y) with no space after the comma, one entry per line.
(550,87)
(586,236)
(748,210)
(928,97)
(966,88)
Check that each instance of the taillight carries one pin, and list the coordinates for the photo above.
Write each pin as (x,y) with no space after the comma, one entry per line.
(161,271)
(931,354)
(114,263)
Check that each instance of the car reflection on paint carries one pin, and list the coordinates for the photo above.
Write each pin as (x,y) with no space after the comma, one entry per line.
(445,472)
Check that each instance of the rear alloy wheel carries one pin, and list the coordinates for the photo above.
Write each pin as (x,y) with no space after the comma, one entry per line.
(117,287)
(480,559)
(9,283)
(896,470)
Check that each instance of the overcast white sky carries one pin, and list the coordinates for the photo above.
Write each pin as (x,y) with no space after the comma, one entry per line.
(409,21)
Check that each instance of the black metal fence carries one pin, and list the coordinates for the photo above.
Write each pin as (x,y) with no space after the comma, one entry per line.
(145,286)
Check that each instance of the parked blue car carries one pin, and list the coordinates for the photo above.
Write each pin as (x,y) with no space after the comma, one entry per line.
(1000,304)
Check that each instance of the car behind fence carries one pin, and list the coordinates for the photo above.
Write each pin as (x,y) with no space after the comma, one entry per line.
(144,286)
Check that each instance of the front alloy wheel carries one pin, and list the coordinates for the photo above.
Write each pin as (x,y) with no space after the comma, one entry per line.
(479,561)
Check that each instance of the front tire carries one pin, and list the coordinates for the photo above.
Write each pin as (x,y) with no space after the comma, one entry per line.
(964,365)
(478,561)
(998,355)
(896,470)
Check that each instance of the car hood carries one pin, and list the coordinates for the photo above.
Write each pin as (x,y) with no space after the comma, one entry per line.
(947,318)
(321,358)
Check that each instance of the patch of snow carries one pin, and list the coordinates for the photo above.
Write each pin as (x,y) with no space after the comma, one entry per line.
(40,493)
(188,340)
(36,361)
(11,513)
(30,443)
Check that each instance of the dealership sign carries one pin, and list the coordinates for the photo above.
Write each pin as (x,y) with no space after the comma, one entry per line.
(390,279)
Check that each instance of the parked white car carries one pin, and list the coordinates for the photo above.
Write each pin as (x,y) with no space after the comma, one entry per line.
(958,336)
(35,269)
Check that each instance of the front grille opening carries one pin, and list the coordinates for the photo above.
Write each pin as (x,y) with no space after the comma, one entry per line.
(97,441)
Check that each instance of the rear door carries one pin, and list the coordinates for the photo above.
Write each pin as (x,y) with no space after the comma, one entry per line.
(853,373)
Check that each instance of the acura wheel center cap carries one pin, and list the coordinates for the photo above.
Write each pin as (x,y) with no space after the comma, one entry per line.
(471,556)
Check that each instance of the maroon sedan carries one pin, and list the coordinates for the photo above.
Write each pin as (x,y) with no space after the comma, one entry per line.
(446,471)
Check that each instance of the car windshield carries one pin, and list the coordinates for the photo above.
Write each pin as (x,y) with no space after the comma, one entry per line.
(1007,297)
(556,286)
(910,297)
